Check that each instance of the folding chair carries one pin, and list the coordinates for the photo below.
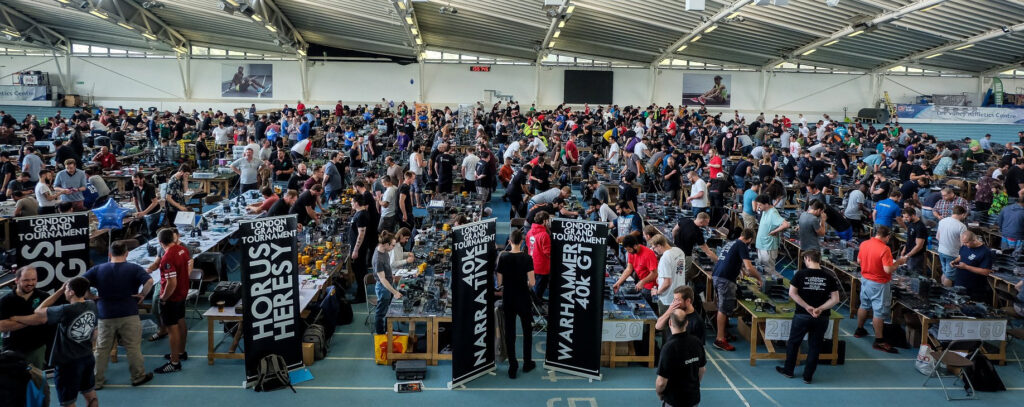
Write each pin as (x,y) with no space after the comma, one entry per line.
(952,360)
(195,280)
(369,280)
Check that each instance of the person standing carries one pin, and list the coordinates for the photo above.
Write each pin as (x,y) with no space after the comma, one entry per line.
(734,261)
(71,357)
(30,342)
(32,164)
(468,170)
(876,267)
(357,240)
(1011,224)
(70,184)
(174,199)
(812,226)
(917,242)
(444,164)
(385,289)
(815,292)
(854,210)
(248,170)
(147,206)
(117,284)
(681,367)
(538,244)
(671,272)
(947,233)
(769,231)
(516,279)
(973,265)
(698,198)
(334,182)
(174,282)
(388,205)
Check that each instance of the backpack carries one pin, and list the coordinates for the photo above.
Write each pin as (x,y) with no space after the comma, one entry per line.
(273,374)
(983,375)
(315,334)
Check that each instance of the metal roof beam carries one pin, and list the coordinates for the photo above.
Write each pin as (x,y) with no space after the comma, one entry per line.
(553,27)
(491,14)
(952,46)
(33,32)
(997,70)
(407,18)
(698,30)
(288,38)
(133,17)
(884,17)
(629,17)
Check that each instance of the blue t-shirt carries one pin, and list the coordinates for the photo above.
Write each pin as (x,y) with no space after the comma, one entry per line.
(886,211)
(873,159)
(350,137)
(303,132)
(115,284)
(731,261)
(625,225)
(1011,222)
(748,202)
(770,220)
(980,257)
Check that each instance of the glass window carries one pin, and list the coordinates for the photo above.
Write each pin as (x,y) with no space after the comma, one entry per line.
(79,49)
(433,54)
(200,50)
(97,50)
(217,52)
(467,58)
(565,59)
(118,51)
(582,61)
(446,55)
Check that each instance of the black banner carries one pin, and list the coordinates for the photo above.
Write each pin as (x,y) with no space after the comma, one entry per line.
(576,300)
(270,284)
(473,301)
(56,245)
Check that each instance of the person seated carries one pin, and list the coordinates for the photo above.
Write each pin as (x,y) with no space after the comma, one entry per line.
(269,198)
(105,159)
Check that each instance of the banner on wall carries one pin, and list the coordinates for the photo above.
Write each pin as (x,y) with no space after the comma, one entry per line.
(247,81)
(959,114)
(57,246)
(707,89)
(576,302)
(473,319)
(270,298)
(997,91)
(22,93)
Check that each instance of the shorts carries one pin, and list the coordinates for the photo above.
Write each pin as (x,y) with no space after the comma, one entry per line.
(846,234)
(948,270)
(74,377)
(876,297)
(725,294)
(171,312)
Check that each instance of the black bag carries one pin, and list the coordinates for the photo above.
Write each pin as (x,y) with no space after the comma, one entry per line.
(14,377)
(895,336)
(983,375)
(345,315)
(273,374)
(228,291)
(315,334)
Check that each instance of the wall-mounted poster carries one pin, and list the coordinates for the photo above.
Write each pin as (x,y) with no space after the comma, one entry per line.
(247,80)
(707,89)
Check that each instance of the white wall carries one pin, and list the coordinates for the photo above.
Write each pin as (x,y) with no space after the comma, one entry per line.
(154,82)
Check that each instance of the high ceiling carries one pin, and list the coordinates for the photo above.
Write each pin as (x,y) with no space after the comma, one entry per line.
(953,35)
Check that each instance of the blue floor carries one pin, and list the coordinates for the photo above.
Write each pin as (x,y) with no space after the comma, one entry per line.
(349,376)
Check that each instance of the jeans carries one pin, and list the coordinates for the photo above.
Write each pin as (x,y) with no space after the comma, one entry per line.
(542,285)
(739,181)
(380,312)
(129,330)
(947,270)
(330,193)
(511,311)
(814,328)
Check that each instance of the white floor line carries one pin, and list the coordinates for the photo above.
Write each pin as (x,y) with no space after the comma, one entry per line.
(728,380)
(744,377)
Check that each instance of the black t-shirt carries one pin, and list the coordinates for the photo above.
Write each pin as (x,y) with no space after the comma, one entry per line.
(373,219)
(444,163)
(905,170)
(821,181)
(544,207)
(695,326)
(279,208)
(628,193)
(405,194)
(296,180)
(916,230)
(840,157)
(908,189)
(360,220)
(788,166)
(674,182)
(514,268)
(731,261)
(515,186)
(1014,177)
(837,220)
(818,167)
(28,338)
(305,200)
(681,359)
(353,158)
(885,186)
(688,236)
(145,197)
(585,166)
(814,286)
(282,165)
(541,172)
(741,168)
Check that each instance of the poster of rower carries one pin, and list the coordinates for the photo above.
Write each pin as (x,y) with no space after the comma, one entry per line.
(707,89)
(247,80)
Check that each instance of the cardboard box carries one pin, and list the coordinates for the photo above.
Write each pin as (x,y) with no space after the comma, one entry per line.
(72,100)
(307,354)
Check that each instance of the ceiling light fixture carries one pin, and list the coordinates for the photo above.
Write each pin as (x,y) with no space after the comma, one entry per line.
(733,15)
(710,29)
(932,56)
(809,52)
(232,2)
(419,41)
(271,28)
(65,1)
(964,47)
(561,24)
(931,8)
(149,36)
(181,50)
(408,19)
(570,9)
(831,42)
(10,31)
(256,17)
(682,48)
(557,33)
(551,44)
(301,51)
(856,33)
(125,25)
(414,31)
(695,39)
(401,4)
(99,13)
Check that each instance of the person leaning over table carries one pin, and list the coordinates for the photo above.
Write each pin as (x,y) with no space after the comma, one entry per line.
(973,265)
(917,241)
(877,266)
(644,263)
(947,234)
(70,183)
(815,292)
(385,290)
(769,231)
(269,198)
(735,261)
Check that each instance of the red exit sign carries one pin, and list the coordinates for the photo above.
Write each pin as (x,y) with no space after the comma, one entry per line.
(479,68)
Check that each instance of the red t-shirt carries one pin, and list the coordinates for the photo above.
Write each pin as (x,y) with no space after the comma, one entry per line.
(108,161)
(267,203)
(714,171)
(301,108)
(874,256)
(538,245)
(644,263)
(337,109)
(174,264)
(572,151)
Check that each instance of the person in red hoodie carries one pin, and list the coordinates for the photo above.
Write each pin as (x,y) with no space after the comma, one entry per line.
(644,262)
(301,108)
(538,244)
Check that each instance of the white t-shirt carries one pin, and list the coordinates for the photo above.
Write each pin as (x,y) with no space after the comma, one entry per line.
(469,166)
(640,149)
(390,196)
(606,213)
(613,153)
(539,145)
(95,125)
(414,165)
(222,135)
(511,150)
(948,232)
(300,147)
(699,186)
(853,205)
(41,190)
(671,267)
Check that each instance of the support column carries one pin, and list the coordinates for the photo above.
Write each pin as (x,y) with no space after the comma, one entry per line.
(536,83)
(69,86)
(654,81)
(423,92)
(183,74)
(304,76)
(981,90)
(765,79)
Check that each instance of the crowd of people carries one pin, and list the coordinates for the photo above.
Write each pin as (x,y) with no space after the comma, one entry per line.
(891,168)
